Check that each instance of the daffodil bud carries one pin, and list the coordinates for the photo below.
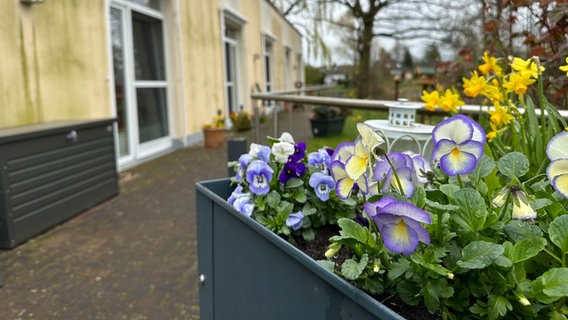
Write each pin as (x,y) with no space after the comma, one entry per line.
(332,250)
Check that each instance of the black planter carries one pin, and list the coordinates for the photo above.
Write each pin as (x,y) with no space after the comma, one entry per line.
(326,127)
(248,272)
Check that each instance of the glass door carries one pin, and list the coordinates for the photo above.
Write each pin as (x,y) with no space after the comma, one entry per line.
(140,82)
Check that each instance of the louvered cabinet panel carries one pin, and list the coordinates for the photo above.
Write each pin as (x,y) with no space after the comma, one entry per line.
(50,172)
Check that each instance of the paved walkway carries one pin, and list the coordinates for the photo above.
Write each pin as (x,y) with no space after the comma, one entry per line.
(133,256)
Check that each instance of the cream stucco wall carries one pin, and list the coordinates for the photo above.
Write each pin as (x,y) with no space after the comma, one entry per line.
(54,62)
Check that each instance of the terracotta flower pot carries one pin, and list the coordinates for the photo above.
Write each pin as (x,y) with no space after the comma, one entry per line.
(213,137)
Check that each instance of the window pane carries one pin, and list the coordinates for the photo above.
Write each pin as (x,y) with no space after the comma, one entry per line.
(148,47)
(231,100)
(119,89)
(154,4)
(228,64)
(152,113)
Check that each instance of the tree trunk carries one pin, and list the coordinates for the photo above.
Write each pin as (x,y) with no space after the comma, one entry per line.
(364,67)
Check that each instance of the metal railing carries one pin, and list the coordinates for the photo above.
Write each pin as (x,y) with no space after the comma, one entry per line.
(298,96)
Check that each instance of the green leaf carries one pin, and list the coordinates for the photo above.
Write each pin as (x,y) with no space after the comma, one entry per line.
(399,268)
(441,207)
(294,183)
(308,210)
(558,231)
(351,269)
(329,265)
(418,197)
(273,199)
(449,189)
(479,254)
(551,285)
(351,229)
(472,214)
(433,290)
(308,234)
(526,249)
(484,167)
(518,230)
(513,165)
(498,306)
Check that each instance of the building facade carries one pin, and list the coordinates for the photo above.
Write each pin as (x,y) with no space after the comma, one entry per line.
(162,68)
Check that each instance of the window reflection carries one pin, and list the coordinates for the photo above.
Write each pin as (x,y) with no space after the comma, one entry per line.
(148,47)
(152,113)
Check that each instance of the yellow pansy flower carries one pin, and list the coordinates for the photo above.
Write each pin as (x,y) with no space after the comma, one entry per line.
(500,116)
(526,66)
(474,86)
(490,65)
(565,68)
(450,101)
(518,82)
(431,100)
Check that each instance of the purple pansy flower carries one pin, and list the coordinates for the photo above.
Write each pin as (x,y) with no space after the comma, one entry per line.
(399,224)
(319,159)
(237,193)
(244,205)
(244,160)
(458,144)
(292,170)
(299,152)
(259,175)
(295,220)
(403,165)
(322,184)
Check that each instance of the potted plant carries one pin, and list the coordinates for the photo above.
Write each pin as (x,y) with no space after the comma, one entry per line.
(481,232)
(241,120)
(327,121)
(214,132)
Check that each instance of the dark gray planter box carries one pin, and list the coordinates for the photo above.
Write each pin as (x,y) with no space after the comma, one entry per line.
(248,272)
(327,127)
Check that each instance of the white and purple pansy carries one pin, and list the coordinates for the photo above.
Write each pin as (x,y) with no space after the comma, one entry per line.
(241,201)
(458,144)
(241,167)
(398,176)
(322,184)
(282,150)
(259,175)
(260,151)
(557,171)
(399,224)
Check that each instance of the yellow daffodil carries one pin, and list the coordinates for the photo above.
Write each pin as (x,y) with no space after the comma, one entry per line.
(565,68)
(431,100)
(526,66)
(518,82)
(450,101)
(500,116)
(474,86)
(490,65)
(493,92)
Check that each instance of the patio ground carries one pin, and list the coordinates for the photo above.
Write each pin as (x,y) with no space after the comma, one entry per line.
(131,257)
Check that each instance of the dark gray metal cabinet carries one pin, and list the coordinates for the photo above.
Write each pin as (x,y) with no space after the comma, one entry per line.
(50,172)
